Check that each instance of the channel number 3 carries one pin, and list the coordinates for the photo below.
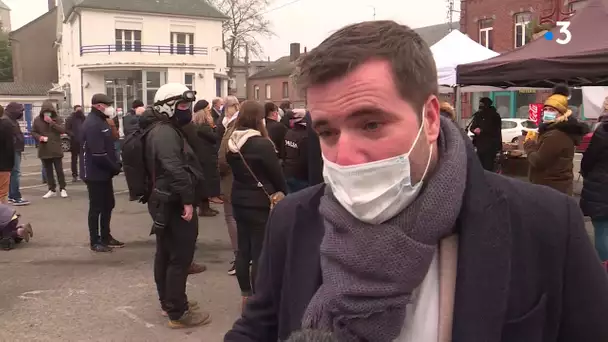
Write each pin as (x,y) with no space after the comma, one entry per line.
(563,29)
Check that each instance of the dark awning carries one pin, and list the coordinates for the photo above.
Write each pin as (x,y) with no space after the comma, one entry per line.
(542,63)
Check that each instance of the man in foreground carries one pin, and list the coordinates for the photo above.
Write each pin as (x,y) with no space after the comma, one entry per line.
(411,240)
(176,180)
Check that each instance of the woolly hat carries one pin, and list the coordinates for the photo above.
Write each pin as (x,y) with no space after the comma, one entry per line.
(200,105)
(559,99)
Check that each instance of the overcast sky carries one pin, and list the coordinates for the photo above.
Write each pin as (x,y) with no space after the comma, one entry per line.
(306,22)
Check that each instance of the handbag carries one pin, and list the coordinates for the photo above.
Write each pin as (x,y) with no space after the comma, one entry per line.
(273,198)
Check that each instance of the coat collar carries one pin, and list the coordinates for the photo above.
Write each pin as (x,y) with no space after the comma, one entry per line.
(484,258)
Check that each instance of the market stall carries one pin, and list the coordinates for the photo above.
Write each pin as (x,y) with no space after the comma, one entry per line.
(543,63)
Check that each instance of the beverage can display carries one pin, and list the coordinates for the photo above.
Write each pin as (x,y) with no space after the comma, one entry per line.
(535,111)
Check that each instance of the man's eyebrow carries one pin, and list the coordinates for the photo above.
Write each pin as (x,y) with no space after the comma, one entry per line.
(359,113)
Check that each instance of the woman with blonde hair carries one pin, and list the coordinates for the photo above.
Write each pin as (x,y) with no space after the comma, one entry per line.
(256,175)
(446,110)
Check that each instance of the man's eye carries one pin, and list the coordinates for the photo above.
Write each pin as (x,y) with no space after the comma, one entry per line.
(371,126)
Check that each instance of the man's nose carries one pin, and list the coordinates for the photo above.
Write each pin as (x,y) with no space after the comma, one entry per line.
(346,151)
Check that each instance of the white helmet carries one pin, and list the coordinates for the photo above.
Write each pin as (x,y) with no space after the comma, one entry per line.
(169,95)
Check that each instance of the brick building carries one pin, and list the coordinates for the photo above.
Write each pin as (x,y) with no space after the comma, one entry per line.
(274,83)
(503,25)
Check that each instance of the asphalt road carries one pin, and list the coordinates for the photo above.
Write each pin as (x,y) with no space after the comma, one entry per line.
(56,289)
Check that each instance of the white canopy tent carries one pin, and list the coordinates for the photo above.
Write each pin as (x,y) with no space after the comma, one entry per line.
(454,49)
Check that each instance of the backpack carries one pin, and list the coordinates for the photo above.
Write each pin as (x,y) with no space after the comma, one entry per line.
(134,164)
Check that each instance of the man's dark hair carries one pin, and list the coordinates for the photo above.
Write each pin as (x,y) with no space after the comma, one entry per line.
(77,106)
(411,59)
(136,104)
(312,336)
(270,107)
(285,105)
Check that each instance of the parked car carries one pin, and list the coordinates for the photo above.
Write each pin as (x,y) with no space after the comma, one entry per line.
(582,147)
(512,129)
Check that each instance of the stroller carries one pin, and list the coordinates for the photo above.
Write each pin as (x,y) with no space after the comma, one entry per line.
(11,232)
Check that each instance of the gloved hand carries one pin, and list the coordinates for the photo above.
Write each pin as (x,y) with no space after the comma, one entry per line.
(118,169)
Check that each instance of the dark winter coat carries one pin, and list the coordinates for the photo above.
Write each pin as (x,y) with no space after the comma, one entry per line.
(73,126)
(552,158)
(203,141)
(315,161)
(130,122)
(7,145)
(99,161)
(51,148)
(295,163)
(276,132)
(14,113)
(594,169)
(526,271)
(261,157)
(489,122)
(175,167)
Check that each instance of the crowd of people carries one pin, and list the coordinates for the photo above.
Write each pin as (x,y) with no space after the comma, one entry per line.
(368,216)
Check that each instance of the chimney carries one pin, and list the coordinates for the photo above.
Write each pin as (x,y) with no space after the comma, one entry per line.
(52,4)
(294,51)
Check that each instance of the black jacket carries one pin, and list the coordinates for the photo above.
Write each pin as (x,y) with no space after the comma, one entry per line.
(7,145)
(98,161)
(489,122)
(130,122)
(295,163)
(174,166)
(263,161)
(73,126)
(203,141)
(276,132)
(16,129)
(594,169)
(526,269)
(315,161)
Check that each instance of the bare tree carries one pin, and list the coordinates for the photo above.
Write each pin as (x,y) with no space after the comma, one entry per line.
(246,24)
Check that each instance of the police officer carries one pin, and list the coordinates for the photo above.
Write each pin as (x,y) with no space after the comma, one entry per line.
(98,165)
(177,180)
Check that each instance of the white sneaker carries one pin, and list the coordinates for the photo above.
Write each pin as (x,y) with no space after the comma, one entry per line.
(50,194)
(64,194)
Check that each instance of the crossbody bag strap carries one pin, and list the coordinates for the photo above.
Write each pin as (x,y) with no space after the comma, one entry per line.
(260,185)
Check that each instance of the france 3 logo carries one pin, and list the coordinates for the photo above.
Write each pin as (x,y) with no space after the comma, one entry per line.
(565,34)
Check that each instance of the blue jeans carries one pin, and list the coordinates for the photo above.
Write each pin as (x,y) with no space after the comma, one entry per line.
(43,171)
(13,191)
(600,228)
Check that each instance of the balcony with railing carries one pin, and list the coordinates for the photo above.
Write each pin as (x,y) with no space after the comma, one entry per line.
(127,54)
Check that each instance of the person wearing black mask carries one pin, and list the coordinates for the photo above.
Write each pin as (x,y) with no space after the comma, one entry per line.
(295,165)
(486,125)
(177,187)
(130,122)
(73,126)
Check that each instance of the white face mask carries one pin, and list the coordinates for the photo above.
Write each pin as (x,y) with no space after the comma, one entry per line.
(377,191)
(110,112)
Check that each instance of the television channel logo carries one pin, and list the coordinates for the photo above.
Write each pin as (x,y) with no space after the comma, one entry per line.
(563,30)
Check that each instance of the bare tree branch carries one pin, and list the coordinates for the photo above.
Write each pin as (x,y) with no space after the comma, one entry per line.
(244,28)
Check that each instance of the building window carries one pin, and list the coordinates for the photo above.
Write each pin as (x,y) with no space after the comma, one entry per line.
(182,43)
(256,92)
(189,80)
(485,33)
(267,92)
(128,40)
(285,90)
(522,20)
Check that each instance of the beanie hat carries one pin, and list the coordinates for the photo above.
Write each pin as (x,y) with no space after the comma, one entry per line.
(559,99)
(486,101)
(200,105)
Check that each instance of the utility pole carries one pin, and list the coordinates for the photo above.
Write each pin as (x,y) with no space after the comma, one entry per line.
(247,71)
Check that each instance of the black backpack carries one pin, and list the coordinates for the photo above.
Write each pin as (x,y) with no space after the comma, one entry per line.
(134,164)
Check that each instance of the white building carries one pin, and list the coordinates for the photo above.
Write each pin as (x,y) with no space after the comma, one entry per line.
(129,53)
